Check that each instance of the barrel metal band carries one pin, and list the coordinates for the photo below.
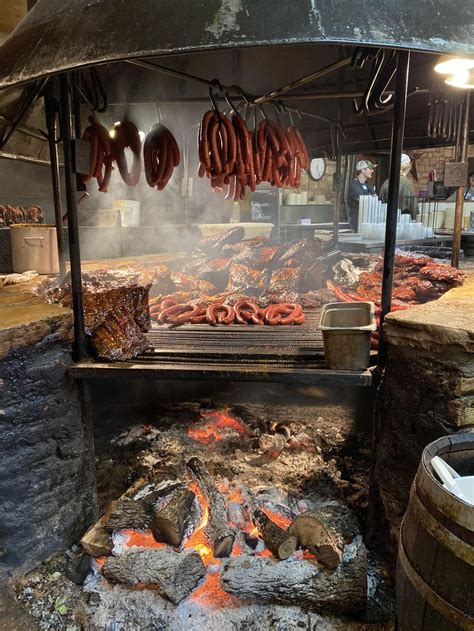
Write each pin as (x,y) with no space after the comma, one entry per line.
(454,544)
(448,611)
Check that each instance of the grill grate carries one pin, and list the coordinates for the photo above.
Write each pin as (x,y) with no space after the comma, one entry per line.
(278,344)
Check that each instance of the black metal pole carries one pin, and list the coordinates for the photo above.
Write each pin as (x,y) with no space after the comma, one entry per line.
(79,347)
(337,187)
(398,126)
(459,209)
(51,109)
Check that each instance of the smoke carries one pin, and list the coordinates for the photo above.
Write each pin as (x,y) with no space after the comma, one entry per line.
(168,218)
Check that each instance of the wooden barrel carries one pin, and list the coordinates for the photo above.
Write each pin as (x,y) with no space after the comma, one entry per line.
(435,569)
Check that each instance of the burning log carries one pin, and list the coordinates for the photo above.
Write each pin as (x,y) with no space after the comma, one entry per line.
(312,534)
(97,541)
(131,514)
(280,543)
(136,514)
(176,574)
(220,535)
(170,516)
(300,582)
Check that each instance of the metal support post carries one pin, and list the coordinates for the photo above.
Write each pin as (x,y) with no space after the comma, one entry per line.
(459,208)
(79,348)
(398,126)
(51,107)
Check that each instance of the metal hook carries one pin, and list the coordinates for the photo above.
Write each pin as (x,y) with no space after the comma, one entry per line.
(290,115)
(260,109)
(213,100)
(230,104)
(247,106)
(159,116)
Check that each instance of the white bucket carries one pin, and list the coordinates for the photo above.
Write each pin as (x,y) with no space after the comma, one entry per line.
(461,487)
(130,211)
(34,247)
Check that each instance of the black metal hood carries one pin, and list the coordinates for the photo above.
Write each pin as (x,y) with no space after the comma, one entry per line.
(58,35)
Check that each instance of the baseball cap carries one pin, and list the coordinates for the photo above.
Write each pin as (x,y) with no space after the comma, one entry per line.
(405,160)
(364,164)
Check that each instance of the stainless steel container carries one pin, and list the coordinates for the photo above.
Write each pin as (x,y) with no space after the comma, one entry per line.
(34,247)
(346,328)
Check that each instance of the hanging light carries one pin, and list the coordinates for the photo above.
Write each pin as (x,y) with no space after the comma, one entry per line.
(448,64)
(462,79)
(460,71)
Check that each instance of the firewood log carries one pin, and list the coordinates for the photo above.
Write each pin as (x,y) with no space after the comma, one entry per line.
(170,516)
(129,514)
(220,535)
(299,582)
(175,574)
(280,543)
(312,534)
(136,513)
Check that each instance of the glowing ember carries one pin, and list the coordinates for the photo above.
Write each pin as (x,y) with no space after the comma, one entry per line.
(216,426)
(198,539)
(309,556)
(236,550)
(235,496)
(143,539)
(211,594)
(280,520)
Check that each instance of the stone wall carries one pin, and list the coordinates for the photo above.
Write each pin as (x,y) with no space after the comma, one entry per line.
(47,477)
(433,159)
(427,391)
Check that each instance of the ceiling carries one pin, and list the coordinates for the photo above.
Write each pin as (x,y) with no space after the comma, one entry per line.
(258,44)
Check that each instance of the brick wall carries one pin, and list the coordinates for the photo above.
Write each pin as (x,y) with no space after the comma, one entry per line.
(429,160)
(434,159)
(321,187)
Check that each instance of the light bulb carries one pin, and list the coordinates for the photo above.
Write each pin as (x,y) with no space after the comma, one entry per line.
(463,79)
(453,65)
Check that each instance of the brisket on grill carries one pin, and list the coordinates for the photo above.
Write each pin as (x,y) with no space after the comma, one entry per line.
(231,249)
(115,312)
(303,251)
(214,245)
(243,279)
(286,279)
(270,297)
(118,337)
(160,278)
(256,256)
(183,282)
(215,271)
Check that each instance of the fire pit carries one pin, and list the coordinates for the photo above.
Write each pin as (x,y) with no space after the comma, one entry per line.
(224,528)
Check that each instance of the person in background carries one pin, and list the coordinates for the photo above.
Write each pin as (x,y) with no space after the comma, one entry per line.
(360,185)
(469,193)
(407,202)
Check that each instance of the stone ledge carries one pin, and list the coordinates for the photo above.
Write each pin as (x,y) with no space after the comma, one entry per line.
(444,326)
(26,325)
(26,318)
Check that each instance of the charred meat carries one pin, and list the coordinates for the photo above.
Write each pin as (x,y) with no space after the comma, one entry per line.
(214,245)
(186,283)
(243,279)
(118,337)
(286,279)
(302,251)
